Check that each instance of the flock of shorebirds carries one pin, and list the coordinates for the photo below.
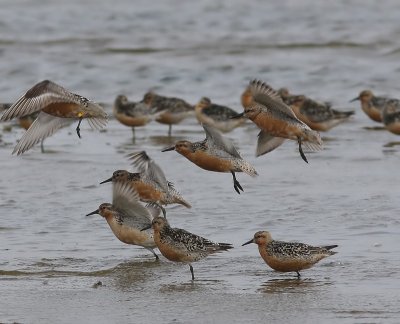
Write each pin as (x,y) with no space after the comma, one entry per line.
(47,107)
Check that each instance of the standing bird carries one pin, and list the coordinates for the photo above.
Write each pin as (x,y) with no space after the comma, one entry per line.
(171,110)
(131,114)
(150,183)
(391,116)
(289,256)
(181,246)
(215,153)
(57,107)
(319,116)
(126,216)
(219,117)
(372,105)
(277,121)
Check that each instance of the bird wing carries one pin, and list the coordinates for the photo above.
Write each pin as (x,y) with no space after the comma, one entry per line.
(44,126)
(38,97)
(151,169)
(267,143)
(219,112)
(267,96)
(214,137)
(126,201)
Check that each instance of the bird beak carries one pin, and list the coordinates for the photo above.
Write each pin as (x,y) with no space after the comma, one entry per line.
(93,212)
(145,228)
(108,180)
(356,98)
(172,148)
(238,116)
(251,241)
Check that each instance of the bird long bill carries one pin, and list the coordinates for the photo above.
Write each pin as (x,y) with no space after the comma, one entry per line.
(108,180)
(251,241)
(145,228)
(93,212)
(169,149)
(356,98)
(238,116)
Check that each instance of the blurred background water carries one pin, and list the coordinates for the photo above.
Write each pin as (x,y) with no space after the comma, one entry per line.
(52,256)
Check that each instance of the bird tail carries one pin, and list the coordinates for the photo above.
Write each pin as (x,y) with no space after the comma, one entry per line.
(247,168)
(312,140)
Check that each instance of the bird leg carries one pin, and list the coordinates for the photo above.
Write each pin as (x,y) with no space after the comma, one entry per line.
(154,253)
(133,134)
(170,130)
(191,270)
(41,145)
(301,150)
(78,130)
(236,184)
(298,275)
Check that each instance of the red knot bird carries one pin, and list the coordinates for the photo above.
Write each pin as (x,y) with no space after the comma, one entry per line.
(182,246)
(319,116)
(56,107)
(169,110)
(264,107)
(391,116)
(149,182)
(372,105)
(131,114)
(215,153)
(126,217)
(289,256)
(219,117)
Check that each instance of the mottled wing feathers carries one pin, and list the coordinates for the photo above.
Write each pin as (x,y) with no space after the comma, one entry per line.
(268,97)
(293,249)
(195,243)
(44,126)
(213,136)
(38,97)
(218,112)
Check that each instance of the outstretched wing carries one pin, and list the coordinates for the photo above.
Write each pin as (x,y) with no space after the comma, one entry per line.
(126,201)
(44,126)
(38,97)
(151,169)
(268,97)
(216,138)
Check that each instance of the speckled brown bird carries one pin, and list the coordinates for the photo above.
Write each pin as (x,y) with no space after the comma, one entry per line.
(289,256)
(182,246)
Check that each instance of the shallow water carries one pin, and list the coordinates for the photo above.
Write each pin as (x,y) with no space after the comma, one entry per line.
(52,257)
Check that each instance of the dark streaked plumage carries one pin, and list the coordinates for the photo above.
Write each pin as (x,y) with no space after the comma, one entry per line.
(131,114)
(319,116)
(217,116)
(287,256)
(391,116)
(170,110)
(182,246)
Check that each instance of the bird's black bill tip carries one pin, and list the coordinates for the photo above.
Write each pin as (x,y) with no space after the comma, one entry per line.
(145,228)
(237,116)
(168,149)
(248,242)
(355,99)
(93,212)
(108,180)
